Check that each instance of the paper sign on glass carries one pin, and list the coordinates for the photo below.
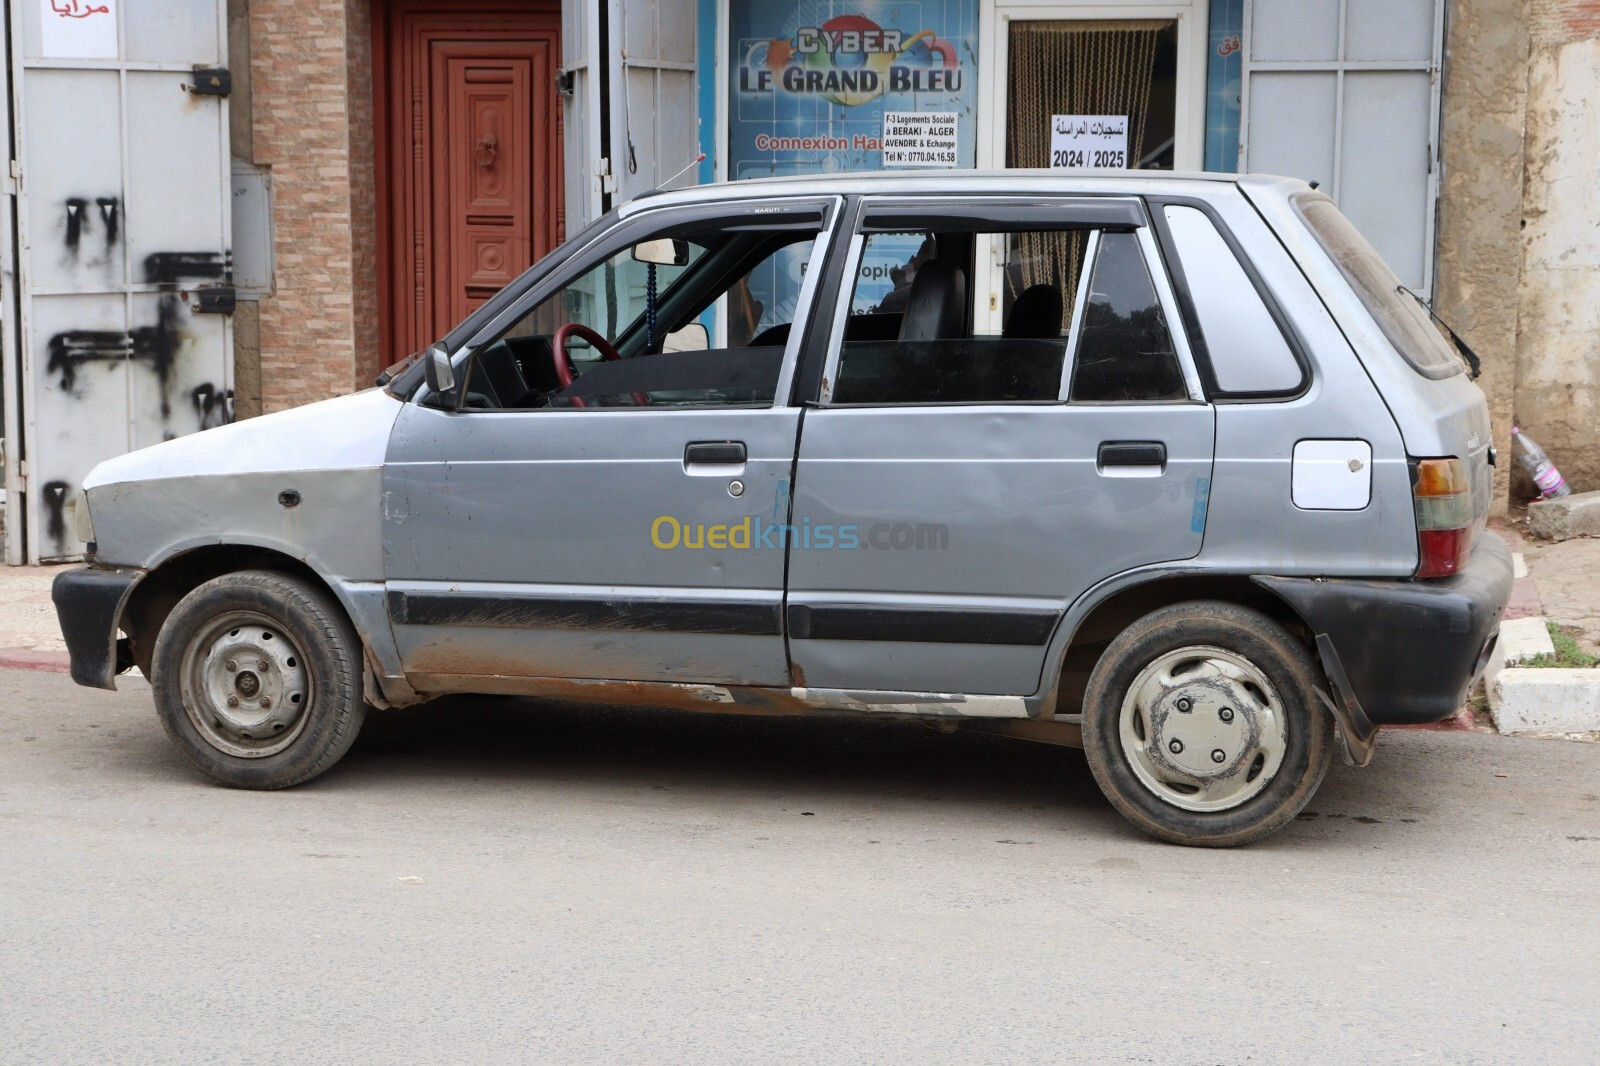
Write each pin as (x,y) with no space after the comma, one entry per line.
(920,139)
(1082,142)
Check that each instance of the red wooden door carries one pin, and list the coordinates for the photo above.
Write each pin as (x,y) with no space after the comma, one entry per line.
(469,189)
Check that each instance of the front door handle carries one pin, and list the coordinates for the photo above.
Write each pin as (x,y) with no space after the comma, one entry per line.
(1132,458)
(714,453)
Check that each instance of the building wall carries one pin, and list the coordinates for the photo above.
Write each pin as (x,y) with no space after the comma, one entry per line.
(1480,197)
(1517,242)
(310,66)
(241,138)
(1519,225)
(1558,329)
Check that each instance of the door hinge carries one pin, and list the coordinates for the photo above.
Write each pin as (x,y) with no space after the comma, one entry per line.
(22,474)
(211,81)
(216,300)
(566,82)
(13,176)
(602,171)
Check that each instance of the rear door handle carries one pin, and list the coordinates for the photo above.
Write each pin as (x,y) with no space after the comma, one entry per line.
(1132,458)
(714,453)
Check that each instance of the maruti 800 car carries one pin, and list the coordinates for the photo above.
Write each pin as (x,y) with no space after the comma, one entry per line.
(1169,467)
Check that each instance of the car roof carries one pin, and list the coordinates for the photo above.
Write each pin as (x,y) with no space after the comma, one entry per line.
(965,183)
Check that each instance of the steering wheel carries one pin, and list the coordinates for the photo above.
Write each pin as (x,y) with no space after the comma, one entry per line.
(564,370)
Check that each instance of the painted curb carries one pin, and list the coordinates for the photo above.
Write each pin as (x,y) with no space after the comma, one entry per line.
(1529,700)
(54,662)
(1546,701)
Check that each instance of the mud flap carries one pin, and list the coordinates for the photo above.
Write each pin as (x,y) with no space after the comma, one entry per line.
(1356,732)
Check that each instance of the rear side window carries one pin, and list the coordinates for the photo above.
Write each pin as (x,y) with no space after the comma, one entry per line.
(1125,352)
(1400,317)
(1248,351)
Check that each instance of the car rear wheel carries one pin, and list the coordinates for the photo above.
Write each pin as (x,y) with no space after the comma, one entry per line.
(1202,725)
(257,680)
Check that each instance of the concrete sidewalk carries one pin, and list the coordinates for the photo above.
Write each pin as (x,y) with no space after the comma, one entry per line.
(30,638)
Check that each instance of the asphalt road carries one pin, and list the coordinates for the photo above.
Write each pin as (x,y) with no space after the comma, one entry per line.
(631,886)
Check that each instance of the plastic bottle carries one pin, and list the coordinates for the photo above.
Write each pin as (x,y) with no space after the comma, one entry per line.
(1538,465)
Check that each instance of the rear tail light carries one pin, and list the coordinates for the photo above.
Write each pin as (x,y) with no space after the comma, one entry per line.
(1444,516)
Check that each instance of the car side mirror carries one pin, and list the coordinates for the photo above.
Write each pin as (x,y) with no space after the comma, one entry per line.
(667,251)
(438,372)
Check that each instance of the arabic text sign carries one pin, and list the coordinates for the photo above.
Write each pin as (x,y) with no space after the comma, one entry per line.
(920,139)
(78,29)
(1080,142)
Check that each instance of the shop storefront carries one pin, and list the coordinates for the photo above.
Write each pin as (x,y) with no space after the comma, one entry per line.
(1342,92)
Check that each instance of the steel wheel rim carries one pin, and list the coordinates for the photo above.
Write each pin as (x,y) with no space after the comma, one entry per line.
(246,687)
(1203,729)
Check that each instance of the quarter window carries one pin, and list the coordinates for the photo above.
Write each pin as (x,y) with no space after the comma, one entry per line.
(1125,352)
(1247,350)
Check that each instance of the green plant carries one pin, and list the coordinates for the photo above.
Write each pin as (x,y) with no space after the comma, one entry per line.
(1567,655)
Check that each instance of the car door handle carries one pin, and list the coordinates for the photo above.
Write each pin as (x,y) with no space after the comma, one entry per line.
(1132,458)
(714,453)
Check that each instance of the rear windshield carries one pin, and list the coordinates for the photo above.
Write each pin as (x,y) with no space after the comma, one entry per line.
(1402,319)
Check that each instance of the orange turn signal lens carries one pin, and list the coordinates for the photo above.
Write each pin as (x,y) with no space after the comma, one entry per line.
(1441,477)
(1443,499)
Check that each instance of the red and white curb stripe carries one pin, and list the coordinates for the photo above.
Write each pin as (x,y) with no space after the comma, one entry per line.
(55,662)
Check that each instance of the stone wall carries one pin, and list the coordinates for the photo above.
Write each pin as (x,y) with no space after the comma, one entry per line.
(310,66)
(1558,334)
(1480,195)
(1519,220)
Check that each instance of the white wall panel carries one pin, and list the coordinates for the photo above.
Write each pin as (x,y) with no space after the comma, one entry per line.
(1383,169)
(1291,116)
(1346,93)
(126,218)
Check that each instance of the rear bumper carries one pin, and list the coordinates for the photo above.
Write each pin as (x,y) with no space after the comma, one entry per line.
(89,605)
(1408,650)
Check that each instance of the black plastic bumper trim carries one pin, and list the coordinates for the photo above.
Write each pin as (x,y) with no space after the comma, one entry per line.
(543,612)
(1409,649)
(89,607)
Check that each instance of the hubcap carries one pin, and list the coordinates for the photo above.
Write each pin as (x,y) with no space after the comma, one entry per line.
(1203,729)
(245,685)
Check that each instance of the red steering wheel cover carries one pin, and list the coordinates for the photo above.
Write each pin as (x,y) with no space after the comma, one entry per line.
(558,351)
(558,347)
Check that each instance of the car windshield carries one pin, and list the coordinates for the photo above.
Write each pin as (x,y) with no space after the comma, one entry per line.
(1401,317)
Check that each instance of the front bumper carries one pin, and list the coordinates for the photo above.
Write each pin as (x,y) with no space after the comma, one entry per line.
(1408,650)
(89,604)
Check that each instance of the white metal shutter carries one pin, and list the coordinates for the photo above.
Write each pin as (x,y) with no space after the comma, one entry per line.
(1346,93)
(654,128)
(124,220)
(580,97)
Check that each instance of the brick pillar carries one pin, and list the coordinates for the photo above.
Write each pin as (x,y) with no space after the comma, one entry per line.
(311,79)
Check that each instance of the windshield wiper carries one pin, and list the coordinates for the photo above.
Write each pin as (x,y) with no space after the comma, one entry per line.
(1471,357)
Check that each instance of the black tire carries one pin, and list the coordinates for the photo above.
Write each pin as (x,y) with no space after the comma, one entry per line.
(1303,743)
(257,635)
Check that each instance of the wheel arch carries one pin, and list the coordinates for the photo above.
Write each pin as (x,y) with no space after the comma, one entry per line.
(1120,607)
(158,592)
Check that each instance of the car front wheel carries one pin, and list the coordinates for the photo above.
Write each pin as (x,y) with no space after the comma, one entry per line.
(257,679)
(1202,725)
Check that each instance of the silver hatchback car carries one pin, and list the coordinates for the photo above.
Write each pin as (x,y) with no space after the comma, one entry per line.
(1169,467)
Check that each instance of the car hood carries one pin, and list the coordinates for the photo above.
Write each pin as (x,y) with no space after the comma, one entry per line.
(349,432)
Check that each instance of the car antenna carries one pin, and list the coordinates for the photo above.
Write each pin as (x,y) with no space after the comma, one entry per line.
(662,187)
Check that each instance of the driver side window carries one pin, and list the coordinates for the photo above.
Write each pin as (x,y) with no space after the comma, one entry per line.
(686,315)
